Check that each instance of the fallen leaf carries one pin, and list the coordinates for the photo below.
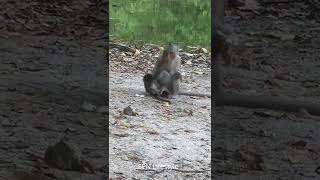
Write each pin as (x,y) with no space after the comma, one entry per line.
(136,53)
(204,50)
(198,72)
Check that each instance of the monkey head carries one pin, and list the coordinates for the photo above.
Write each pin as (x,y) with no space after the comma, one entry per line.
(172,51)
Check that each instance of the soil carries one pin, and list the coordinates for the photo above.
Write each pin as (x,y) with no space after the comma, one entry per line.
(151,139)
(52,62)
(279,56)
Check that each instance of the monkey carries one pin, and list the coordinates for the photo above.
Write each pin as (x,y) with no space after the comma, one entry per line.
(164,82)
(165,78)
(166,72)
(221,98)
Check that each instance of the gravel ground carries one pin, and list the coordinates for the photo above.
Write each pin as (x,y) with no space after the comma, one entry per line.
(158,140)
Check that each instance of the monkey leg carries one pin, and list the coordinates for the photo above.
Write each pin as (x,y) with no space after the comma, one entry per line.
(165,81)
(165,93)
(150,85)
(147,81)
(164,78)
(174,86)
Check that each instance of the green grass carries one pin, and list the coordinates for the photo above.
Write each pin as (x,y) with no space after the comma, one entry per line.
(184,22)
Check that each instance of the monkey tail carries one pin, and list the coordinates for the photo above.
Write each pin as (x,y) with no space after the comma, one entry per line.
(194,94)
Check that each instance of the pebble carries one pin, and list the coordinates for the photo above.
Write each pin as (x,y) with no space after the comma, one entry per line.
(129,111)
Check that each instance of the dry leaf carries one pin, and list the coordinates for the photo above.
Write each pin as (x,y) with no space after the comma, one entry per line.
(136,53)
(204,50)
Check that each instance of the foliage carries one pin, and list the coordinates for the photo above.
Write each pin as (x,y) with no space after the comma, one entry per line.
(184,22)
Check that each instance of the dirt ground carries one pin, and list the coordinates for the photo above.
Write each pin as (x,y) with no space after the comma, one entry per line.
(52,61)
(158,140)
(279,57)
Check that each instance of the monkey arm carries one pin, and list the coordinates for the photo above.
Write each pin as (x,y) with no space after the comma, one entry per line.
(157,65)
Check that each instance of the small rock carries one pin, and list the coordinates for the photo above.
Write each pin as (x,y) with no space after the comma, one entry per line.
(88,107)
(65,156)
(129,111)
(189,131)
(151,131)
(139,95)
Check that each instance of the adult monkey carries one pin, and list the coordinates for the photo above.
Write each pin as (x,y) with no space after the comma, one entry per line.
(221,98)
(164,82)
(165,79)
